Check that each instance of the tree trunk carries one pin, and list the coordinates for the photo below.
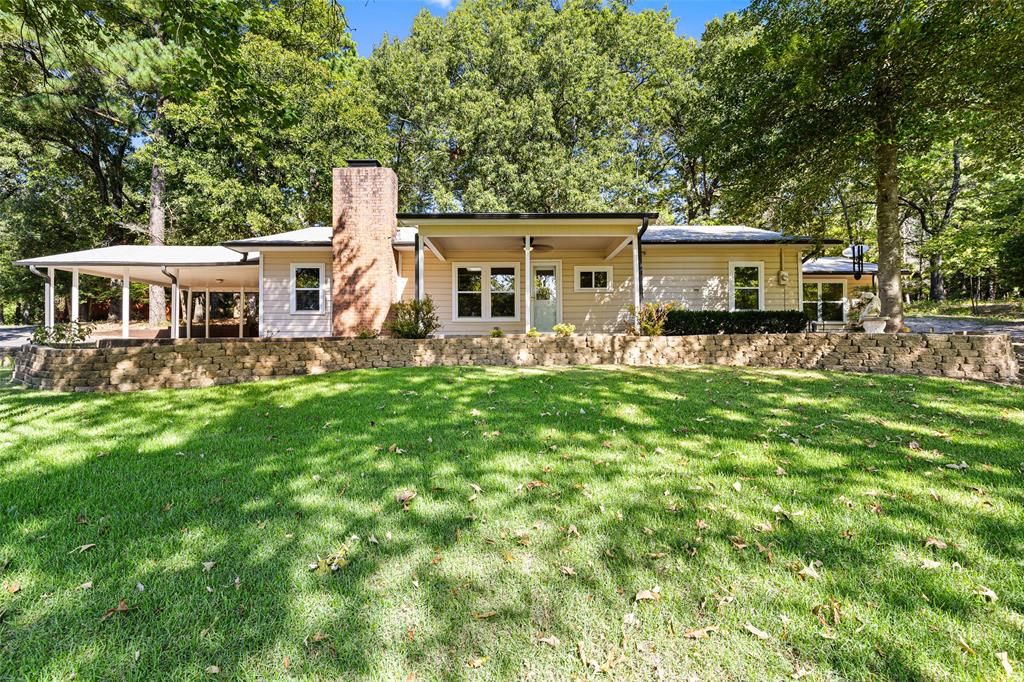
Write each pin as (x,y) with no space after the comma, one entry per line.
(157,231)
(937,281)
(890,238)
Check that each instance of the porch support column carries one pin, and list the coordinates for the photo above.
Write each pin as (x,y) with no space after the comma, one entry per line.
(125,303)
(188,315)
(206,315)
(419,266)
(241,312)
(74,295)
(637,284)
(49,316)
(528,288)
(175,307)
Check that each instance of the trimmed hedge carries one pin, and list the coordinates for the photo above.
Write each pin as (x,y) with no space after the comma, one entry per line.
(686,322)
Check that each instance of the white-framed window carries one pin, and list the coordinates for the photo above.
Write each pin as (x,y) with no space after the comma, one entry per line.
(825,301)
(746,285)
(485,291)
(592,278)
(308,288)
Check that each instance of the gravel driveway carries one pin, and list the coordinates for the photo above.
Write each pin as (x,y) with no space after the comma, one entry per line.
(951,325)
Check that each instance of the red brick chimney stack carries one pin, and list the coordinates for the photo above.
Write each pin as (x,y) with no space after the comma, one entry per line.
(365,201)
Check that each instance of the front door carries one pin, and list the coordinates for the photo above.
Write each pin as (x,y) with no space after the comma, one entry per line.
(546,295)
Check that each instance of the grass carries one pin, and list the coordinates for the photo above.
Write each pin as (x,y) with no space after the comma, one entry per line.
(1008,310)
(716,486)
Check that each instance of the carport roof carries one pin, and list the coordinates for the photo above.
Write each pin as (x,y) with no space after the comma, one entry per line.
(145,254)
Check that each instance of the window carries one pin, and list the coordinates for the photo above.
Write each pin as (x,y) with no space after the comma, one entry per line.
(825,301)
(307,288)
(485,291)
(746,285)
(593,278)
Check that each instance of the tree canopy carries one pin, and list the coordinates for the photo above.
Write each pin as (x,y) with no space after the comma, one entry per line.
(896,123)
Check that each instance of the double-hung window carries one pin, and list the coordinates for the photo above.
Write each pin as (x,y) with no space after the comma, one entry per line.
(593,278)
(307,288)
(825,301)
(485,291)
(746,285)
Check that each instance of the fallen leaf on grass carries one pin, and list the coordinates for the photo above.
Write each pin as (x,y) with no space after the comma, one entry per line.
(13,588)
(760,634)
(808,571)
(404,497)
(536,484)
(567,570)
(83,548)
(87,585)
(737,486)
(478,661)
(987,593)
(930,564)
(935,542)
(572,531)
(958,467)
(121,607)
(485,615)
(700,633)
(550,640)
(1004,659)
(212,670)
(965,646)
(208,566)
(653,594)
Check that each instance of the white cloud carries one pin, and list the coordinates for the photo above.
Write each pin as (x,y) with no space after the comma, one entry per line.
(444,4)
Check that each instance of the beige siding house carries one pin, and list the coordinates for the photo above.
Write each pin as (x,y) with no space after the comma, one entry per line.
(510,271)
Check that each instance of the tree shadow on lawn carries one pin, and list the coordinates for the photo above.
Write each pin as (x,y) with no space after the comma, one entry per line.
(624,476)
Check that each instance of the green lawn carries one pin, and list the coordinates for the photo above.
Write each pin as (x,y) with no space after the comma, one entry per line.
(1000,311)
(546,500)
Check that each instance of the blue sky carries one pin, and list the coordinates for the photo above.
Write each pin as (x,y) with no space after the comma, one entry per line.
(369,20)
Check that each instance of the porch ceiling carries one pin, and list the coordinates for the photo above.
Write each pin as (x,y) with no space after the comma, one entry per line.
(515,243)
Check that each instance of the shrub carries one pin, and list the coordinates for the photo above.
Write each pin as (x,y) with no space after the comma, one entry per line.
(367,333)
(413,320)
(496,333)
(62,333)
(533,333)
(650,321)
(564,329)
(685,322)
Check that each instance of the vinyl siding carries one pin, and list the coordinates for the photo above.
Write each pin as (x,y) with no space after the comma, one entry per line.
(278,319)
(698,275)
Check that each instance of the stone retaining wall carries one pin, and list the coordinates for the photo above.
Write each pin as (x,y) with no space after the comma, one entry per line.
(115,365)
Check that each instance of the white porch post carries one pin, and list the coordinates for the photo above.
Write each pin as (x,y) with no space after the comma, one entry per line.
(206,315)
(74,295)
(528,288)
(419,267)
(175,306)
(241,312)
(259,303)
(48,309)
(125,303)
(188,315)
(636,275)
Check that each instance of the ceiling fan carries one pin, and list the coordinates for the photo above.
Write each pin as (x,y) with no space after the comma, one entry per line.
(538,247)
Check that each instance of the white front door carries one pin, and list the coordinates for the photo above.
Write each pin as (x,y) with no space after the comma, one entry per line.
(546,303)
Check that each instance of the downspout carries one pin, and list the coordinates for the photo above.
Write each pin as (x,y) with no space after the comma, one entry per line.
(640,257)
(35,271)
(168,275)
(176,303)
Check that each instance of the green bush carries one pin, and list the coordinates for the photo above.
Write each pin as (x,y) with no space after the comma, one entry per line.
(367,333)
(650,321)
(564,329)
(497,333)
(533,333)
(686,322)
(61,334)
(413,320)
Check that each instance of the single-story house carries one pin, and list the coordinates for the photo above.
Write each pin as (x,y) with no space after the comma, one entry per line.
(831,285)
(513,271)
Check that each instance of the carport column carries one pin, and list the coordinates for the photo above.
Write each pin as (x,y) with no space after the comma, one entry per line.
(528,289)
(188,315)
(125,303)
(637,284)
(74,295)
(48,316)
(419,266)
(241,312)
(206,316)
(175,306)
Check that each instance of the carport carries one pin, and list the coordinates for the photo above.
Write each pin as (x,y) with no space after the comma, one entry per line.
(202,269)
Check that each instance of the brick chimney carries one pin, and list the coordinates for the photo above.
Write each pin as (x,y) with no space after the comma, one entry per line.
(365,201)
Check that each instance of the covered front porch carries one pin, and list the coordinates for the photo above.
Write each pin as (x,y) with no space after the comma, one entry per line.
(194,275)
(517,272)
